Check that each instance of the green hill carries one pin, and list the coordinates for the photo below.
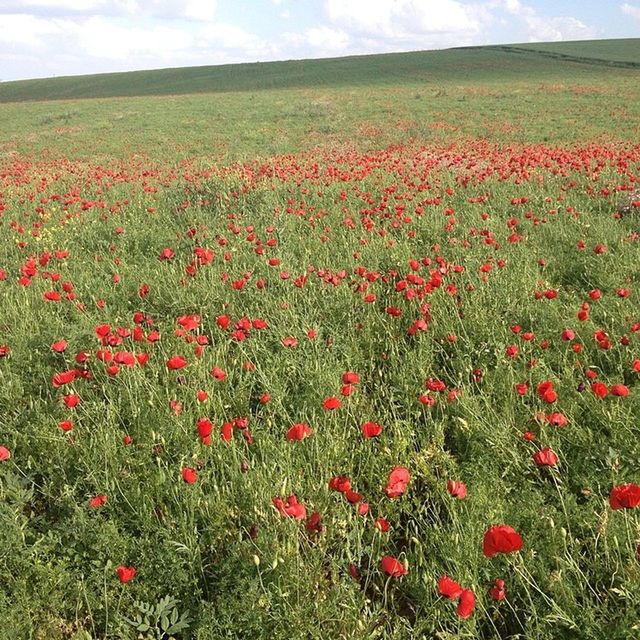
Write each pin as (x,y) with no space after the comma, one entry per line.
(478,64)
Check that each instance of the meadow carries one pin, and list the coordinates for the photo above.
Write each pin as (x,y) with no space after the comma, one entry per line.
(324,349)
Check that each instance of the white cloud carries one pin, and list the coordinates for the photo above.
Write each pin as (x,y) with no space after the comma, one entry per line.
(198,10)
(326,39)
(108,40)
(29,31)
(544,29)
(402,19)
(630,10)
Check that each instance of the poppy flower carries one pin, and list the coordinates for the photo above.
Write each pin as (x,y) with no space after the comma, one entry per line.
(331,403)
(557,420)
(546,392)
(65,425)
(226,431)
(71,400)
(512,351)
(125,574)
(625,496)
(382,524)
(619,390)
(98,501)
(205,427)
(449,588)
(371,429)
(189,475)
(393,567)
(545,458)
(291,509)
(501,539)
(397,482)
(350,377)
(298,432)
(5,454)
(340,483)
(457,489)
(313,524)
(59,346)
(176,362)
(497,591)
(218,373)
(600,389)
(466,604)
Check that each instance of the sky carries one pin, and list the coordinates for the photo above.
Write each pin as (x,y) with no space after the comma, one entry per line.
(43,38)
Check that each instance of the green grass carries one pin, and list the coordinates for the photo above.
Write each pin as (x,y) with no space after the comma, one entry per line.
(240,112)
(625,51)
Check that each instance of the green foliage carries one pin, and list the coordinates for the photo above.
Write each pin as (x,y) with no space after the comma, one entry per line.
(160,621)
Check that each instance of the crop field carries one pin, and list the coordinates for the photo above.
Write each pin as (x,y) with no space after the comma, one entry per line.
(352,355)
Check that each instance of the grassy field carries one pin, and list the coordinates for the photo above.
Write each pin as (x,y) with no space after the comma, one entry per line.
(352,355)
(246,111)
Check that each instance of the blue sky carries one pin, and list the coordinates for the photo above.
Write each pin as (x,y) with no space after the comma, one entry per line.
(40,38)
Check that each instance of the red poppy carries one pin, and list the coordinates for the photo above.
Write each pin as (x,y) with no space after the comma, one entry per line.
(202,396)
(512,351)
(350,377)
(332,403)
(176,362)
(625,496)
(313,524)
(371,429)
(382,524)
(600,389)
(59,346)
(497,591)
(545,458)
(449,588)
(5,454)
(125,574)
(66,425)
(218,373)
(457,489)
(71,400)
(619,390)
(546,392)
(397,482)
(291,509)
(205,427)
(466,604)
(352,496)
(393,567)
(189,475)
(557,420)
(226,431)
(298,432)
(340,483)
(501,539)
(98,501)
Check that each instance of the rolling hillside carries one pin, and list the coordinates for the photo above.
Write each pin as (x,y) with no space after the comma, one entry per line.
(478,64)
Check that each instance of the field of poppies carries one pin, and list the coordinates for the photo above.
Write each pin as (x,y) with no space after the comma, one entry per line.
(389,392)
